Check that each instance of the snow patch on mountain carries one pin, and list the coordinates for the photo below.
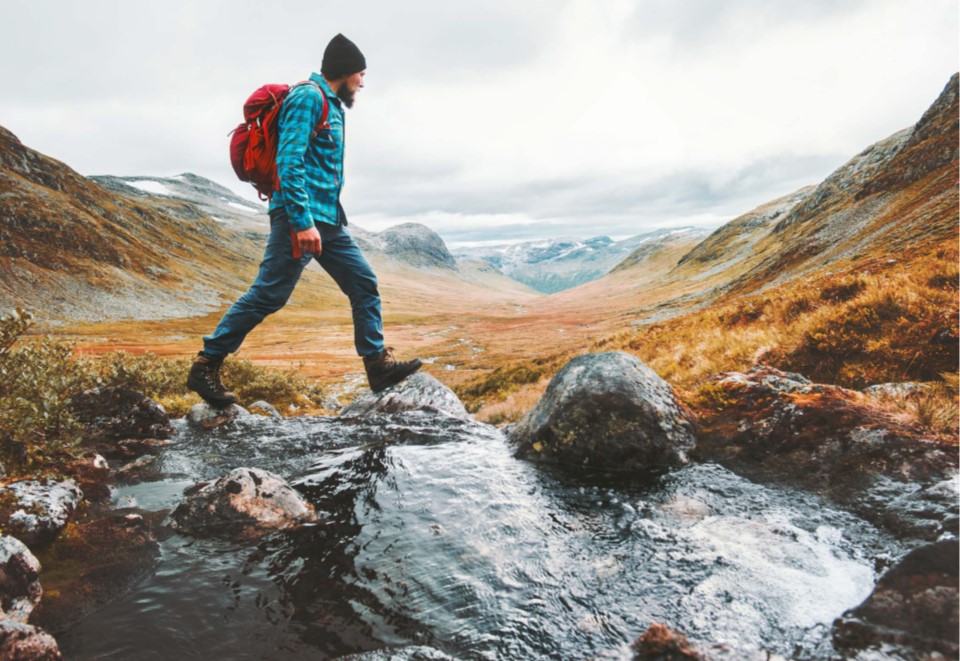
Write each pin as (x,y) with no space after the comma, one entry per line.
(553,265)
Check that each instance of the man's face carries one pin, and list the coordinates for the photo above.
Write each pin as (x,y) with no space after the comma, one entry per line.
(348,87)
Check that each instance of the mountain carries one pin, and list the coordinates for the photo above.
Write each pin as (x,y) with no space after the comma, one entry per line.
(106,248)
(213,200)
(554,265)
(410,243)
(75,250)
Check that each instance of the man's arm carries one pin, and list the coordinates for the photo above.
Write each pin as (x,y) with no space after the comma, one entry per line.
(301,112)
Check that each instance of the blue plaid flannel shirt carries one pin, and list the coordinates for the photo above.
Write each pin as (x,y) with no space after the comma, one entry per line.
(310,169)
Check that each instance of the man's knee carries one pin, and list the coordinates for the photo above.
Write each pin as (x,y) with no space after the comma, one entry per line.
(267,300)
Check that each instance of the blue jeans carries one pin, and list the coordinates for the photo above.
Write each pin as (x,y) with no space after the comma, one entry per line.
(279,272)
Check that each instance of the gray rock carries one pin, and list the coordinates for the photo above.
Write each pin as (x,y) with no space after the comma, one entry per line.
(39,510)
(331,403)
(609,411)
(20,589)
(25,642)
(204,416)
(264,407)
(245,499)
(905,389)
(419,392)
(912,612)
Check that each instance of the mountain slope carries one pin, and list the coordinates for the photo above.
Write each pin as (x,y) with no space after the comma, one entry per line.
(211,199)
(77,251)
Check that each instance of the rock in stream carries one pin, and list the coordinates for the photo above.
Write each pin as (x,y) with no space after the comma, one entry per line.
(608,411)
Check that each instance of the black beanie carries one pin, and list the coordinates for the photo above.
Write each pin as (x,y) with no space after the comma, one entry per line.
(341,58)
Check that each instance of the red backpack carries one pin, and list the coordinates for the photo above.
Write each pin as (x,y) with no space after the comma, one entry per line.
(253,147)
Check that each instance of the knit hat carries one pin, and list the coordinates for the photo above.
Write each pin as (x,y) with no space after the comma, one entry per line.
(342,58)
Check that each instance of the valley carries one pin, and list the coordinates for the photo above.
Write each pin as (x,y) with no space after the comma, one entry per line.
(781,283)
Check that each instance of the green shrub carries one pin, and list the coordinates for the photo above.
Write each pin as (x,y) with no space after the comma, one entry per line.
(37,379)
(147,373)
(252,382)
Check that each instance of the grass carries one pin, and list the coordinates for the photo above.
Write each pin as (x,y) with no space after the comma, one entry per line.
(875,322)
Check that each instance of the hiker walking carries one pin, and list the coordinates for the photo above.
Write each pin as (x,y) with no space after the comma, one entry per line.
(307,222)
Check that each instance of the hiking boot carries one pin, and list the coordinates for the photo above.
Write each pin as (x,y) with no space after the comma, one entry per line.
(204,379)
(385,371)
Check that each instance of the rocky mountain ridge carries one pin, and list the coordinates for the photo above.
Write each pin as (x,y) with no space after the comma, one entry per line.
(213,200)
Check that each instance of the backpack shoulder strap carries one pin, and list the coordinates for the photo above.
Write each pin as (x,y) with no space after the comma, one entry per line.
(324,114)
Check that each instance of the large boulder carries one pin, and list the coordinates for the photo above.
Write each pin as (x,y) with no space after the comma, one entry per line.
(419,392)
(35,512)
(608,411)
(20,589)
(912,612)
(777,426)
(246,500)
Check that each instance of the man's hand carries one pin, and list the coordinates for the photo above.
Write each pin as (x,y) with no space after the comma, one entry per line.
(310,241)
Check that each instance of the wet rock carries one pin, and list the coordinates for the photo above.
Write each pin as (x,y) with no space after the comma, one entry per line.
(103,557)
(112,414)
(24,642)
(20,589)
(244,498)
(660,643)
(264,408)
(35,512)
(912,613)
(135,470)
(92,474)
(331,403)
(419,392)
(773,426)
(204,416)
(408,653)
(606,410)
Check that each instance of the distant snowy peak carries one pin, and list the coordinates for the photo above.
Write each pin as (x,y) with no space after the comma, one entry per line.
(214,200)
(553,265)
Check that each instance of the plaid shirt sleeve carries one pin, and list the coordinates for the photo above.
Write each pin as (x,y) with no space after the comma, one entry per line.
(299,117)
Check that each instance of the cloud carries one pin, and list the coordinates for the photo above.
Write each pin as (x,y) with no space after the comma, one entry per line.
(552,116)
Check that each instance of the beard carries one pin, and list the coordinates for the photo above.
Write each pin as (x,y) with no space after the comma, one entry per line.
(346,95)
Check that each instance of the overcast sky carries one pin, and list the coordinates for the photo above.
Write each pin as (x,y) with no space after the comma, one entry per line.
(495,120)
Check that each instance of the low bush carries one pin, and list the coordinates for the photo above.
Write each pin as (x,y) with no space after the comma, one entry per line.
(37,379)
(39,375)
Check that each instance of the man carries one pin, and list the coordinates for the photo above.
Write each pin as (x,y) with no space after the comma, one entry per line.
(306,210)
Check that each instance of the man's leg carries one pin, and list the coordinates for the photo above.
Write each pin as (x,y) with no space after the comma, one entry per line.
(278,275)
(342,259)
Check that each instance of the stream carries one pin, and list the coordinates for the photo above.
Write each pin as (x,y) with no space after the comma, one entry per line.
(433,534)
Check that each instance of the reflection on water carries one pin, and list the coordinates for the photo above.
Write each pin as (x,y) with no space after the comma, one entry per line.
(433,534)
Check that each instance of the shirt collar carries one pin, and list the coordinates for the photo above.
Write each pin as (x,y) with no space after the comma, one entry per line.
(319,80)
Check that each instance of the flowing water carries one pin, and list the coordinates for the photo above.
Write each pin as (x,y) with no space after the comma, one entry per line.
(432,534)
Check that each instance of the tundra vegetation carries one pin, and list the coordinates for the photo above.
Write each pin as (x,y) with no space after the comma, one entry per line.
(40,374)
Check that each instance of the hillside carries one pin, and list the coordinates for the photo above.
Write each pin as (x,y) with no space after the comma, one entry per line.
(211,199)
(75,250)
(853,281)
